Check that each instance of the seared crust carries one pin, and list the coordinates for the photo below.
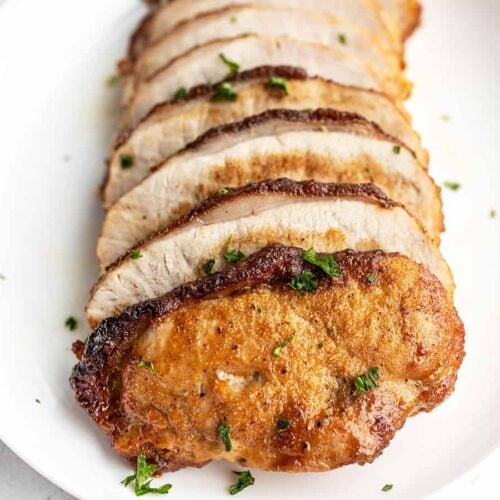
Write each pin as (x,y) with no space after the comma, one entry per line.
(305,189)
(323,116)
(422,350)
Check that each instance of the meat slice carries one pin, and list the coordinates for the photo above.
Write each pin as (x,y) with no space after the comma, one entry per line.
(171,126)
(309,26)
(363,13)
(204,65)
(324,145)
(328,217)
(279,369)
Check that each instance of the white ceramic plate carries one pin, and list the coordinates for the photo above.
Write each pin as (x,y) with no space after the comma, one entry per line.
(56,118)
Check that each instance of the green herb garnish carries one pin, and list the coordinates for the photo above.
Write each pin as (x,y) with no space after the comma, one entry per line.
(113,79)
(147,364)
(304,282)
(141,477)
(342,38)
(367,381)
(225,92)
(282,424)
(493,214)
(233,67)
(245,479)
(38,401)
(208,267)
(71,323)
(223,431)
(180,94)
(277,350)
(445,118)
(224,191)
(327,263)
(454,186)
(396,149)
(320,345)
(259,309)
(126,161)
(234,256)
(371,278)
(279,83)
(136,254)
(387,487)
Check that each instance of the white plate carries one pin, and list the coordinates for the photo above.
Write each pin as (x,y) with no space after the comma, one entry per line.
(56,118)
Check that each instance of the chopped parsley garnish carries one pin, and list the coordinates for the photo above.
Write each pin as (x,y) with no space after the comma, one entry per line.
(387,487)
(113,79)
(225,92)
(259,309)
(126,161)
(445,118)
(245,479)
(180,94)
(493,214)
(279,83)
(141,478)
(282,424)
(342,38)
(367,381)
(147,364)
(71,323)
(233,67)
(454,186)
(233,19)
(277,350)
(396,149)
(327,263)
(371,278)
(38,401)
(304,282)
(320,345)
(234,256)
(135,254)
(224,191)
(208,267)
(223,431)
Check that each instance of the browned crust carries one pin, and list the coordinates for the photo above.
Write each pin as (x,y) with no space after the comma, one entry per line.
(111,340)
(414,20)
(369,193)
(322,117)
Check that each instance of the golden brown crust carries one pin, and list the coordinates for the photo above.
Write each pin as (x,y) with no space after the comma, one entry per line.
(212,341)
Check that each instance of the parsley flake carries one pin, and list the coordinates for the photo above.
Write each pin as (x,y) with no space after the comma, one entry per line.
(113,80)
(342,39)
(371,278)
(367,381)
(136,254)
(180,94)
(277,350)
(245,479)
(126,161)
(327,263)
(282,424)
(224,191)
(225,92)
(38,401)
(279,83)
(233,67)
(208,267)
(141,477)
(71,323)
(147,364)
(224,431)
(453,186)
(493,214)
(304,282)
(320,345)
(396,149)
(387,487)
(234,256)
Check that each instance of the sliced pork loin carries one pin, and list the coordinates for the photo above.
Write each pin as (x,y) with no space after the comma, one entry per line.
(328,217)
(309,26)
(204,64)
(365,14)
(324,145)
(209,352)
(172,125)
